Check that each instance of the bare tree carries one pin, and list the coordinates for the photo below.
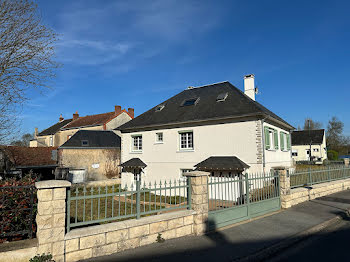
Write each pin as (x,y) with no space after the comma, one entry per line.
(26,57)
(25,141)
(310,124)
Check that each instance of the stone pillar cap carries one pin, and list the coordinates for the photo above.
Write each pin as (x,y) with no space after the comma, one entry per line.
(196,173)
(52,184)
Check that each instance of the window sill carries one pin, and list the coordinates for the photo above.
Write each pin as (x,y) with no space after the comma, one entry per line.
(185,150)
(136,152)
(158,143)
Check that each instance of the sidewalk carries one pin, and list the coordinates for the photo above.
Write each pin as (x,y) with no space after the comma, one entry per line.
(245,241)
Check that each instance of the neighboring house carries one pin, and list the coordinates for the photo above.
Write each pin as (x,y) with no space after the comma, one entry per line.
(217,123)
(303,141)
(59,133)
(21,160)
(96,152)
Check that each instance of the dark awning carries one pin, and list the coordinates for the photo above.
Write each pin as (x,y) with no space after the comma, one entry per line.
(218,163)
(134,163)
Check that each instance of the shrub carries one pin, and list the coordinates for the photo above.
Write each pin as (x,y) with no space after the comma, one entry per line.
(16,217)
(41,258)
(332,155)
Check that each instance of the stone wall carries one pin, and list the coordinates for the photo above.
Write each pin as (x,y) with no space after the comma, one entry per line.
(101,240)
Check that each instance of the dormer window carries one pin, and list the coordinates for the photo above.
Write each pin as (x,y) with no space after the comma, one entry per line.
(84,143)
(221,97)
(159,108)
(190,102)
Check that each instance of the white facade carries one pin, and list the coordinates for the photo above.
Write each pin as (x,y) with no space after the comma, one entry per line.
(165,160)
(318,152)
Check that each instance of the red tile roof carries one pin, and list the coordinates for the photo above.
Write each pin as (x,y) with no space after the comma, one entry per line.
(29,156)
(93,120)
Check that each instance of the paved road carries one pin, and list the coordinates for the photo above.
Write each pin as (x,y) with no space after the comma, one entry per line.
(332,244)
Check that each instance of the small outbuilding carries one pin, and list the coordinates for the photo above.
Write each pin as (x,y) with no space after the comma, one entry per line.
(96,153)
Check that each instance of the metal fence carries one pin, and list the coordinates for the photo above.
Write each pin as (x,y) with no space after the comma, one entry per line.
(316,176)
(96,205)
(231,191)
(18,207)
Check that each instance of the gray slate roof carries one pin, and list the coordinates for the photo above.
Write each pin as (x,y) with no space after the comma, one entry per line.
(134,162)
(237,104)
(54,128)
(304,137)
(221,163)
(95,138)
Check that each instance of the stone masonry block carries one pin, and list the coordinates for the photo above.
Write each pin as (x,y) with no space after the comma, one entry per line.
(128,244)
(204,180)
(44,221)
(158,227)
(45,208)
(45,248)
(50,235)
(188,220)
(199,229)
(105,250)
(92,241)
(150,239)
(44,195)
(116,236)
(138,231)
(72,245)
(59,193)
(169,234)
(59,220)
(79,255)
(174,223)
(197,199)
(184,231)
(58,248)
(59,206)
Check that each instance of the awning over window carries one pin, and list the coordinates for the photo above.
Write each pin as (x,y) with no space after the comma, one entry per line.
(134,163)
(221,163)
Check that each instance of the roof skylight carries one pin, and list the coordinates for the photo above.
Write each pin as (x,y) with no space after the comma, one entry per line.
(159,108)
(221,97)
(190,102)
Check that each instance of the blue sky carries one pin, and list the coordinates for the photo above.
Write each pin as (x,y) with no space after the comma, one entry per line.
(139,53)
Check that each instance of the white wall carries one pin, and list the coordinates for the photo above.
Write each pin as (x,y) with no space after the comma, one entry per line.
(118,121)
(165,160)
(277,157)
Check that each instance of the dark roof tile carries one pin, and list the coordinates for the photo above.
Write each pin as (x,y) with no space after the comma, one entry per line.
(304,137)
(94,138)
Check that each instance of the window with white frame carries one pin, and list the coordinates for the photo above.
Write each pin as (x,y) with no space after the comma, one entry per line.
(295,153)
(136,143)
(186,140)
(285,141)
(51,140)
(315,150)
(159,137)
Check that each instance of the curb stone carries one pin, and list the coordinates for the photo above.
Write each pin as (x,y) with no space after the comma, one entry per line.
(268,252)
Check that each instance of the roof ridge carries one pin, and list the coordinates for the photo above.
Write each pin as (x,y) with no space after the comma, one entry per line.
(217,83)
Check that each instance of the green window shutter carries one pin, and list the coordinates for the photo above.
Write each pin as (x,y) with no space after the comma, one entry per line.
(267,138)
(282,141)
(288,141)
(275,136)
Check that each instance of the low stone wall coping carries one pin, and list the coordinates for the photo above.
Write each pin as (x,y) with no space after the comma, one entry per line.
(94,230)
(298,189)
(106,182)
(52,184)
(196,173)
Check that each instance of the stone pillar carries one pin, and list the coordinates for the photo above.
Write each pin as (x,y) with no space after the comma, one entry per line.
(51,217)
(346,162)
(199,200)
(284,187)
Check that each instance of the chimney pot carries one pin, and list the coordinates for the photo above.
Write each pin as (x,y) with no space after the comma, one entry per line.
(131,112)
(75,115)
(249,86)
(61,118)
(117,110)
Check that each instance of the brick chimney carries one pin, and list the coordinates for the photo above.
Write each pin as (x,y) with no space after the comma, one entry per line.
(117,110)
(61,118)
(36,132)
(131,112)
(75,115)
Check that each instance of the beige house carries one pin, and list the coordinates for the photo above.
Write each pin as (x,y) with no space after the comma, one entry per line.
(94,152)
(59,133)
(216,128)
(309,145)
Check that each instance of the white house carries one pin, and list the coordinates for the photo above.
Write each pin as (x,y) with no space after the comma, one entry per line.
(309,145)
(218,124)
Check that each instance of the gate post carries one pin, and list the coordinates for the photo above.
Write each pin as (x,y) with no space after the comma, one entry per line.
(51,217)
(284,184)
(199,200)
